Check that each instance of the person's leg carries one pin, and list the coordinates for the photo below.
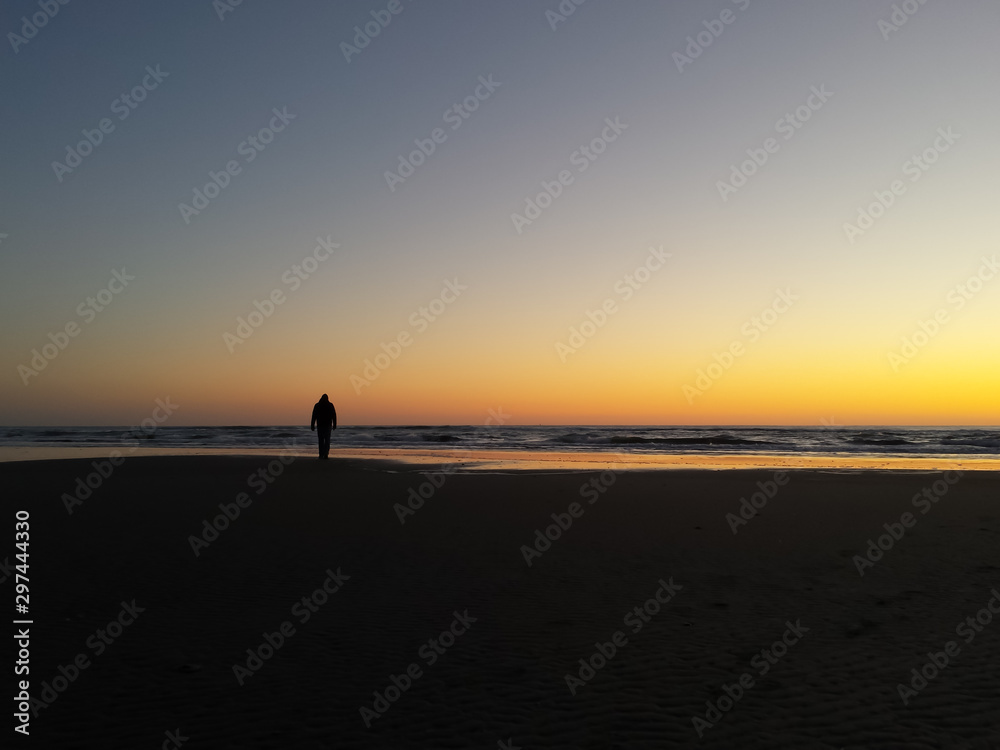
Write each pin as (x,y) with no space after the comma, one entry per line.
(324,445)
(319,437)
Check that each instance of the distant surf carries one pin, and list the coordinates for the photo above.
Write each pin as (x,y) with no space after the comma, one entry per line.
(883,441)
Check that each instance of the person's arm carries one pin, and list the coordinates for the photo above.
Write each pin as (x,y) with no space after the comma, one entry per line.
(312,423)
(334,408)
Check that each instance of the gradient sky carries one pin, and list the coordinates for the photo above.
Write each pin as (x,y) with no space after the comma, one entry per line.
(656,185)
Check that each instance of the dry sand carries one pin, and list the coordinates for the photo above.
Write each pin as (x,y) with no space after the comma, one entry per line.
(504,678)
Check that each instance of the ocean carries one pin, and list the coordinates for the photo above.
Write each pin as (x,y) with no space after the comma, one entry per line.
(834,440)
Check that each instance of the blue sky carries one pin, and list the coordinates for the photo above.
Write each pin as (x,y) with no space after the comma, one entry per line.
(324,175)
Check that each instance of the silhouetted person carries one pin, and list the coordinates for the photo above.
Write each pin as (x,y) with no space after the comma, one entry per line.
(325,417)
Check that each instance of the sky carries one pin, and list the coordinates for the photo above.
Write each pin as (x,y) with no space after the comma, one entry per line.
(727,212)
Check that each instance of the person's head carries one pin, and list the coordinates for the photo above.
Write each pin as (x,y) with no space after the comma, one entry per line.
(324,399)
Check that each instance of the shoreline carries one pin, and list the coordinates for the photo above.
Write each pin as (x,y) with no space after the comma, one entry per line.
(520,460)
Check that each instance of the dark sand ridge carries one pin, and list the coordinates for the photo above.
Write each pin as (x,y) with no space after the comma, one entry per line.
(505,677)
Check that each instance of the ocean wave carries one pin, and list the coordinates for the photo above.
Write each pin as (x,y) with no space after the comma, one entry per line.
(596,439)
(710,440)
(571,438)
(993,443)
(883,441)
(862,440)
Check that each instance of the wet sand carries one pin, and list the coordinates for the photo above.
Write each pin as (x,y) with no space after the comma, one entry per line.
(372,576)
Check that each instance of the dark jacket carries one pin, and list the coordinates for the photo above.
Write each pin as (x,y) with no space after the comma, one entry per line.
(324,415)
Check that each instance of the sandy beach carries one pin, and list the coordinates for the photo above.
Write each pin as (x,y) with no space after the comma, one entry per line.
(332,608)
